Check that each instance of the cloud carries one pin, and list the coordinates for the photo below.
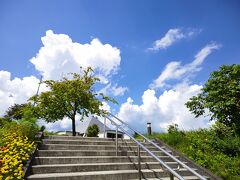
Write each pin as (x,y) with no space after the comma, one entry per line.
(163,110)
(60,55)
(62,125)
(172,36)
(105,106)
(16,90)
(114,90)
(175,71)
(169,107)
(119,90)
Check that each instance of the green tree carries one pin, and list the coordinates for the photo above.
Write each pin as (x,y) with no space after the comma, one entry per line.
(221,96)
(69,97)
(173,128)
(17,111)
(3,121)
(92,131)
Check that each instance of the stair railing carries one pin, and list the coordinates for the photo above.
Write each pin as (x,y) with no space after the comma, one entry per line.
(115,121)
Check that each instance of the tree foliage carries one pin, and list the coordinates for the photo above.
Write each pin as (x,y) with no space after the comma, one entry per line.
(172,128)
(92,131)
(26,126)
(16,111)
(4,121)
(69,97)
(221,96)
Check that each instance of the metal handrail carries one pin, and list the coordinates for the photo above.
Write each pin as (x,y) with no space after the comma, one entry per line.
(147,150)
(161,149)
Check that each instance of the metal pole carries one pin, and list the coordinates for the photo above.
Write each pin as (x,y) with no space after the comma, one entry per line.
(171,176)
(104,127)
(149,129)
(139,163)
(38,89)
(116,138)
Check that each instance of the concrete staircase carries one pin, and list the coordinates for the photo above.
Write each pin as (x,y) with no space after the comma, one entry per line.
(77,158)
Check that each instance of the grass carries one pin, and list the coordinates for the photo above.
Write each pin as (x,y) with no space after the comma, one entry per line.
(220,153)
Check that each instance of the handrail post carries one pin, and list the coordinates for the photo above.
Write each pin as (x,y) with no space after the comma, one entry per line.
(116,139)
(171,176)
(139,163)
(104,127)
(172,171)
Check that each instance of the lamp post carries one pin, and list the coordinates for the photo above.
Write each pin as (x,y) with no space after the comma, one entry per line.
(149,129)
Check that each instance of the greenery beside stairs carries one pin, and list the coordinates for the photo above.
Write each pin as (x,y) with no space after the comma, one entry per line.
(217,148)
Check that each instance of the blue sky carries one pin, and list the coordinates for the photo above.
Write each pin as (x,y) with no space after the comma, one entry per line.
(153,38)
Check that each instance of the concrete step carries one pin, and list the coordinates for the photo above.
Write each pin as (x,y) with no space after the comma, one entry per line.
(46,153)
(167,178)
(78,158)
(89,147)
(94,159)
(85,167)
(84,138)
(106,175)
(83,142)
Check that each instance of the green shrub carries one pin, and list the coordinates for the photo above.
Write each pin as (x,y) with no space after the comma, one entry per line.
(27,127)
(216,149)
(172,128)
(50,133)
(3,121)
(16,144)
(92,131)
(222,131)
(174,136)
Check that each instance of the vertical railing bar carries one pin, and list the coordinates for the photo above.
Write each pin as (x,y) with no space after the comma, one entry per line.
(171,176)
(116,139)
(139,163)
(142,146)
(104,127)
(171,156)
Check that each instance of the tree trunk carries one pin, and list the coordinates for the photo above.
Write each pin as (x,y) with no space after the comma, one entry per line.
(73,127)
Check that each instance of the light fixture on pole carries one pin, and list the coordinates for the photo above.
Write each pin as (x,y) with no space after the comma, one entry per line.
(149,128)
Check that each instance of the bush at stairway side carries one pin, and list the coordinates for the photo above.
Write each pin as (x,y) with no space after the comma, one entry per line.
(16,145)
(219,154)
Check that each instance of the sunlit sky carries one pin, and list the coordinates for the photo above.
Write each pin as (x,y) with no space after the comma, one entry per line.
(151,56)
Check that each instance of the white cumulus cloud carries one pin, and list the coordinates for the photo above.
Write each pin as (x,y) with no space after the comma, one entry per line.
(59,55)
(16,90)
(172,36)
(169,107)
(163,110)
(175,71)
(115,90)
